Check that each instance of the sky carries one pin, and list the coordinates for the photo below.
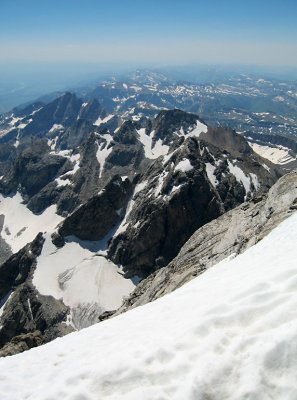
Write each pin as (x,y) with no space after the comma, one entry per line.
(155,32)
(52,45)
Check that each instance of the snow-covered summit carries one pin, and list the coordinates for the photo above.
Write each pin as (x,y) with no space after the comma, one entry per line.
(228,334)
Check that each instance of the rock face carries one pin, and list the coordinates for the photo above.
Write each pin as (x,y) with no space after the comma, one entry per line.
(33,169)
(5,251)
(94,219)
(16,269)
(161,226)
(62,111)
(22,343)
(228,235)
(193,184)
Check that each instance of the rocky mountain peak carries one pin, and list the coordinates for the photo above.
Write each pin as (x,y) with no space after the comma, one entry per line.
(126,134)
(227,140)
(90,110)
(174,122)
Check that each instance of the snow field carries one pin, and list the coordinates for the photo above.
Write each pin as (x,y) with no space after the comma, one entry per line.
(200,127)
(277,155)
(228,334)
(20,225)
(79,277)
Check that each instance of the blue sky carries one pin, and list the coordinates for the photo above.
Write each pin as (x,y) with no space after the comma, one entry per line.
(159,31)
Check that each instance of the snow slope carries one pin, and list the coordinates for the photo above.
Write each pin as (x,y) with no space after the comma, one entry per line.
(152,152)
(157,149)
(82,278)
(103,152)
(20,225)
(229,334)
(101,121)
(277,155)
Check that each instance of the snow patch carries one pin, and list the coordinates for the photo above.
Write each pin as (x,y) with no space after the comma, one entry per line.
(210,173)
(103,152)
(255,181)
(14,120)
(152,151)
(62,182)
(101,121)
(159,149)
(36,111)
(124,224)
(52,143)
(240,176)
(74,158)
(167,157)
(136,88)
(56,127)
(17,141)
(176,188)
(184,165)
(20,225)
(277,155)
(199,128)
(24,124)
(79,277)
(160,183)
(266,167)
(4,301)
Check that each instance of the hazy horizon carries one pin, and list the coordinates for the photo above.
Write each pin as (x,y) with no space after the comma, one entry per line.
(25,82)
(49,46)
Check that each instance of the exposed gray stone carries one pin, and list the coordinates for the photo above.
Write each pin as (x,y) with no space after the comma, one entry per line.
(230,234)
(94,219)
(22,343)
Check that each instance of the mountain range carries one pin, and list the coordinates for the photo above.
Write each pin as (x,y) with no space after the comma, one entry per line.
(107,195)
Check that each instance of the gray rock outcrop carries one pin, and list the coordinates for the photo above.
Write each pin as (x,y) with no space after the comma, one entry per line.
(94,219)
(230,234)
(22,343)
